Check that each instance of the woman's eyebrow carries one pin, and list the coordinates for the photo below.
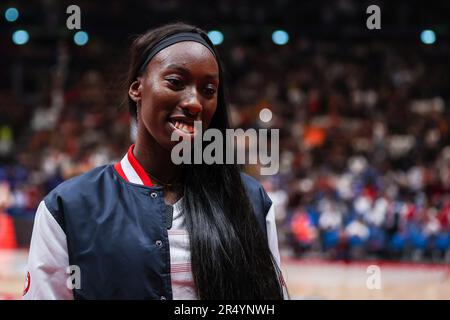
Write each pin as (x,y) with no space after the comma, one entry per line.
(177,68)
(181,69)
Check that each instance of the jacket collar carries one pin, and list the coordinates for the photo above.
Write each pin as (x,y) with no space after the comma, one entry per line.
(131,170)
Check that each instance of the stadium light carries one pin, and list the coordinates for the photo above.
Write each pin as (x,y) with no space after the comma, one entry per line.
(280,37)
(20,37)
(216,37)
(11,14)
(428,37)
(81,38)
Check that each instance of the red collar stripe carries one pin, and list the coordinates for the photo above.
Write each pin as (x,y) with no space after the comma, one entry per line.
(130,169)
(138,168)
(119,170)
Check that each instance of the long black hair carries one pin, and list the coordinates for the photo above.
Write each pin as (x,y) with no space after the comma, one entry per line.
(230,256)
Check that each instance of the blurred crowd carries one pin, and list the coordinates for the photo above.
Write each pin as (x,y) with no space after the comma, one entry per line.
(365,148)
(364,138)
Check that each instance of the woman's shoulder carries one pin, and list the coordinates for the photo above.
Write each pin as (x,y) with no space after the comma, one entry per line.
(79,188)
(77,194)
(250,181)
(256,192)
(84,180)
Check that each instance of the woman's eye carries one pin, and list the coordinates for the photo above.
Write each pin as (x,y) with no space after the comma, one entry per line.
(210,91)
(175,82)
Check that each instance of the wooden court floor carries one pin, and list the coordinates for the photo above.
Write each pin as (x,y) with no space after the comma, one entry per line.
(306,279)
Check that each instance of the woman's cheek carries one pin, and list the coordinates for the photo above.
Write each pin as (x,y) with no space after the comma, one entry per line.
(210,114)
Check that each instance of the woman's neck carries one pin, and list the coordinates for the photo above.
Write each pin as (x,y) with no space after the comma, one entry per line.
(157,161)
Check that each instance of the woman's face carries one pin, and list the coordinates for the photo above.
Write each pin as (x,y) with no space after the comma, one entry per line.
(179,86)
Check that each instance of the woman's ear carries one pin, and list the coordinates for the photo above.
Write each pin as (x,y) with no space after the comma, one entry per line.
(135,91)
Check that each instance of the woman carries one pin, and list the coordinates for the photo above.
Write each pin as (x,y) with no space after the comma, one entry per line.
(146,228)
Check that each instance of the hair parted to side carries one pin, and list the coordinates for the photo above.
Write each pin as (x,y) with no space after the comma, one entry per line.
(230,256)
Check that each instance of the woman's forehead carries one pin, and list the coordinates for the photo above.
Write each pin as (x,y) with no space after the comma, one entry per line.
(186,53)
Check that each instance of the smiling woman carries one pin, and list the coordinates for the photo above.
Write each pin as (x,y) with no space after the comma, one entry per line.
(146,228)
(179,86)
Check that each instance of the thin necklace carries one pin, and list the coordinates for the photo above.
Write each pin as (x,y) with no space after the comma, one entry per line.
(163,183)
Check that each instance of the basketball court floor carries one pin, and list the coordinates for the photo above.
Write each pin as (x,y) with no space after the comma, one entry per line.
(306,279)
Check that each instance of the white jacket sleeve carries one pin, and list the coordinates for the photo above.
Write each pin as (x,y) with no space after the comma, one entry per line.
(273,243)
(48,260)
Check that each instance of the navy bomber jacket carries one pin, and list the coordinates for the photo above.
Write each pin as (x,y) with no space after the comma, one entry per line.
(103,235)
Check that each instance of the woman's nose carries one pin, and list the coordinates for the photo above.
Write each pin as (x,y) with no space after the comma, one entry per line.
(191,104)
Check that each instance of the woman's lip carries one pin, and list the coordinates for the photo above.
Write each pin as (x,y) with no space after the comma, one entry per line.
(182,133)
(186,120)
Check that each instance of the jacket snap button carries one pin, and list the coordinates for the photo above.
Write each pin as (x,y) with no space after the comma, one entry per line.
(153,194)
(158,243)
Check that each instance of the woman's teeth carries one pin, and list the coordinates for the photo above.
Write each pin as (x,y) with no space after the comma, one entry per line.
(184,127)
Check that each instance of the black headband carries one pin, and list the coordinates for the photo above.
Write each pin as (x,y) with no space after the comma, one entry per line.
(170,40)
